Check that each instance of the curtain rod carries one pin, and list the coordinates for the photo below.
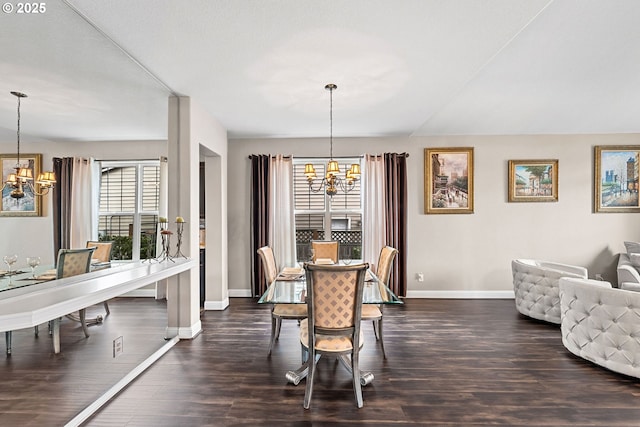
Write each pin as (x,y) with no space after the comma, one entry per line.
(337,157)
(162,159)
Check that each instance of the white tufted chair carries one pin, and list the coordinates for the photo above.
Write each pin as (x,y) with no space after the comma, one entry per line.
(601,324)
(535,284)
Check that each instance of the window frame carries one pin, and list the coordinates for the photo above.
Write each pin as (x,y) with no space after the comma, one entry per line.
(138,211)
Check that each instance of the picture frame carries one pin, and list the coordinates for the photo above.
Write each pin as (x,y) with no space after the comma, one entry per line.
(615,180)
(30,204)
(448,180)
(533,180)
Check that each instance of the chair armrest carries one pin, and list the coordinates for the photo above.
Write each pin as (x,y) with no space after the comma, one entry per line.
(573,269)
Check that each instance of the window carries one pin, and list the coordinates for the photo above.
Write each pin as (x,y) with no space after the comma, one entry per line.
(129,204)
(320,217)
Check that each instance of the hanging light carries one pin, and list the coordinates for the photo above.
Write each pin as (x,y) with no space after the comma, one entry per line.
(23,177)
(332,181)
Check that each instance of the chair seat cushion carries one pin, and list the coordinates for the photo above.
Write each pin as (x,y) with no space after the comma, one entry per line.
(327,343)
(290,310)
(371,312)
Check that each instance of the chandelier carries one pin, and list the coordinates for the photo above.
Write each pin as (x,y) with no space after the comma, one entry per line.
(23,177)
(332,181)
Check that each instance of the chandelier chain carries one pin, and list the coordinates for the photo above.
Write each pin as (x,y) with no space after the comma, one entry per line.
(18,133)
(331,123)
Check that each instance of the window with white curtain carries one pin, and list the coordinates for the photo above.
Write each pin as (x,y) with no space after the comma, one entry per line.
(320,217)
(129,206)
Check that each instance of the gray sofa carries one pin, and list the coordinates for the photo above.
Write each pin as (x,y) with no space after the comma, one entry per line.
(535,284)
(601,324)
(628,274)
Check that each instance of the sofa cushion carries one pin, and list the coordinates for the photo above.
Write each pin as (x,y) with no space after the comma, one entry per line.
(632,247)
(635,259)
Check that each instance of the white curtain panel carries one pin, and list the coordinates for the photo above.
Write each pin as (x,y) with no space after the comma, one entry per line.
(282,227)
(373,233)
(84,209)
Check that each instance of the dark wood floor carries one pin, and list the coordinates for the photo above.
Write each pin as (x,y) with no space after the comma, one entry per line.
(450,363)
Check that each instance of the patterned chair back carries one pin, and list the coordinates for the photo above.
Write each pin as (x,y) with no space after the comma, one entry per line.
(385,263)
(72,262)
(334,296)
(103,250)
(323,249)
(268,263)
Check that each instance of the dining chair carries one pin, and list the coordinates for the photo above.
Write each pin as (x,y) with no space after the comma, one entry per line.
(373,312)
(332,327)
(71,262)
(325,249)
(102,254)
(278,311)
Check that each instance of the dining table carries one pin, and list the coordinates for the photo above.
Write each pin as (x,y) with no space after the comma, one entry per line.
(290,287)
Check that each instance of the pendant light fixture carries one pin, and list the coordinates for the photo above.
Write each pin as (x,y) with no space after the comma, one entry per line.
(332,182)
(23,176)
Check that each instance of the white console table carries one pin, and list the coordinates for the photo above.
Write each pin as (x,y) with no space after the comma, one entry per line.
(32,305)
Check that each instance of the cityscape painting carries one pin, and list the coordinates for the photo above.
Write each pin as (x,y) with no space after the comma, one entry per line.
(616,178)
(533,180)
(448,180)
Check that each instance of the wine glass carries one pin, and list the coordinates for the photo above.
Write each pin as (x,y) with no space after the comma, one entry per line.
(347,258)
(33,262)
(10,260)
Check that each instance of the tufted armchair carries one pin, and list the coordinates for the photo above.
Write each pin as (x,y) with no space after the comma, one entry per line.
(601,324)
(535,284)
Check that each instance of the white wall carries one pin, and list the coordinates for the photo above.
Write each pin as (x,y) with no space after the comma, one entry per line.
(33,236)
(467,255)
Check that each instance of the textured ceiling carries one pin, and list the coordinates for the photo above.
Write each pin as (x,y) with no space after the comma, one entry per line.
(97,70)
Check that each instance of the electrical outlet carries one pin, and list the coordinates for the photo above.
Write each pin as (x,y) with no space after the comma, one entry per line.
(118,346)
(420,277)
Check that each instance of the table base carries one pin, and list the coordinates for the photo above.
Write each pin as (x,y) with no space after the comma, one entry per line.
(296,376)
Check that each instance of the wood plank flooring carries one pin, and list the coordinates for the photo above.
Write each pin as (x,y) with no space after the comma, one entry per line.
(450,363)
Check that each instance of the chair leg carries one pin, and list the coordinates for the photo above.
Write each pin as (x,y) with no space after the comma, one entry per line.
(83,322)
(375,329)
(106,308)
(355,368)
(55,331)
(274,327)
(379,322)
(7,338)
(36,330)
(308,391)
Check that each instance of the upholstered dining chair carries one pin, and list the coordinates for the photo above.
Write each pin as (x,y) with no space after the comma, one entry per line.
(278,311)
(102,254)
(332,327)
(325,249)
(71,262)
(373,312)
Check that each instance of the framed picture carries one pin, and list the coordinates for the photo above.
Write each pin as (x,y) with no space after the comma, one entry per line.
(616,178)
(448,180)
(533,180)
(29,205)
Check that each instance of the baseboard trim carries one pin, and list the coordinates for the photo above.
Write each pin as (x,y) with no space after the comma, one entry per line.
(462,294)
(216,305)
(240,293)
(187,333)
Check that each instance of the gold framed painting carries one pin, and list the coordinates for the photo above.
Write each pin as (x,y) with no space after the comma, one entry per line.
(448,180)
(533,180)
(616,178)
(30,204)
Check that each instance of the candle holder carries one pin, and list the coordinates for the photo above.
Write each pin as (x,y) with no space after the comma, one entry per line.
(165,235)
(179,230)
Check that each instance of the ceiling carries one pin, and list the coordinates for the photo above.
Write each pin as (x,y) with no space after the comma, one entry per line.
(97,70)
